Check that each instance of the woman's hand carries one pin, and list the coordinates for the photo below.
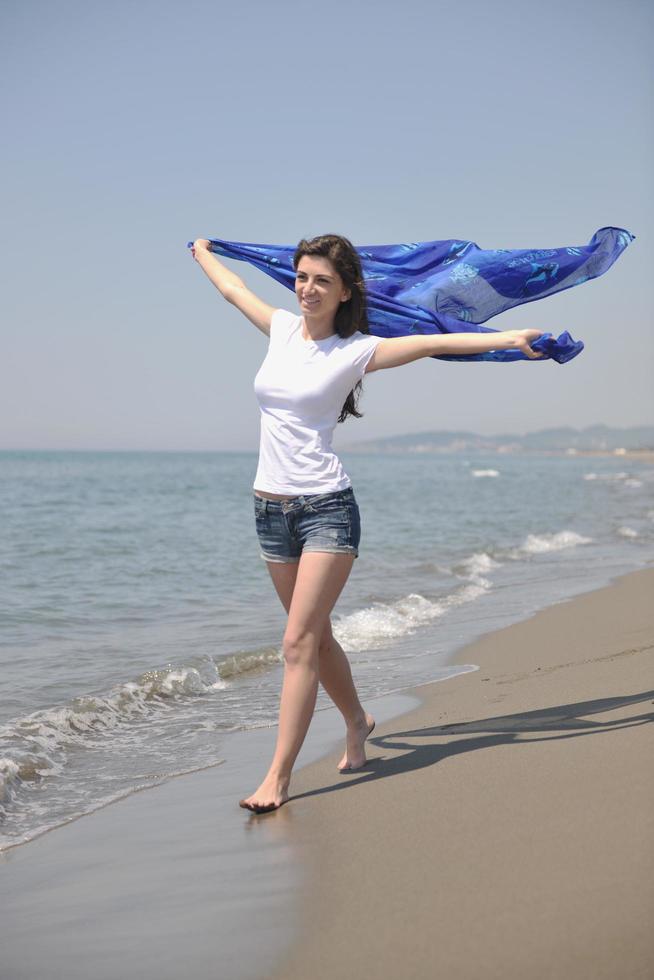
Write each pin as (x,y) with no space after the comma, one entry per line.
(522,340)
(198,245)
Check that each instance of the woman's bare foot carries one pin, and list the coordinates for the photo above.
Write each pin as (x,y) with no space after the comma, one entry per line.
(272,793)
(355,752)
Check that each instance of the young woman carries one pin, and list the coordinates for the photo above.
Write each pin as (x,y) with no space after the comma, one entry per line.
(307,518)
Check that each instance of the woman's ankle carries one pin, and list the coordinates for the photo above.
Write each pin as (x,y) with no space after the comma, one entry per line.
(359,720)
(279,776)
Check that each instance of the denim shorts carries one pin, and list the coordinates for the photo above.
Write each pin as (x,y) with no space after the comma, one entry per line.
(310,522)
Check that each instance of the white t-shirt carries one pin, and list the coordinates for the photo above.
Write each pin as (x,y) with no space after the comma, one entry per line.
(301,388)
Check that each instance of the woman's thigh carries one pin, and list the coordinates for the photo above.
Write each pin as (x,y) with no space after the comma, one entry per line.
(320,579)
(283,575)
(309,589)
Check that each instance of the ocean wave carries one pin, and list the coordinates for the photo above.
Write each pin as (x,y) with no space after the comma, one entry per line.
(538,544)
(247,661)
(373,627)
(37,742)
(485,472)
(10,773)
(627,532)
(151,780)
(25,767)
(611,477)
(476,567)
(625,479)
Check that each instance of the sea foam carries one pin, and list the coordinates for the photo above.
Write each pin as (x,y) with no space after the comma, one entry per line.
(538,544)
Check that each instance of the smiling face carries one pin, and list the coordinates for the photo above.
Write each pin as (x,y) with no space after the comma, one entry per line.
(318,287)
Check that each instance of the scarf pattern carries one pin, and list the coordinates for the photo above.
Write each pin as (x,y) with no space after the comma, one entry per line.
(453,286)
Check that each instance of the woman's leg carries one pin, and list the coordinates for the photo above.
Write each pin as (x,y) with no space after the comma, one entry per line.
(336,678)
(333,665)
(334,673)
(319,581)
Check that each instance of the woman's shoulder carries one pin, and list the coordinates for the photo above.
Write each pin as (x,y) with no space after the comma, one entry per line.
(356,351)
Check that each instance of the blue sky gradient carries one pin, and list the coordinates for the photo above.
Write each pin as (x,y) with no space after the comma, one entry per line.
(134,127)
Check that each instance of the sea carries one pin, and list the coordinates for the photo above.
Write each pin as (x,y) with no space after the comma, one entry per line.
(140,630)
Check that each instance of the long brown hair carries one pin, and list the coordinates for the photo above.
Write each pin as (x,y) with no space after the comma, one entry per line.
(352,314)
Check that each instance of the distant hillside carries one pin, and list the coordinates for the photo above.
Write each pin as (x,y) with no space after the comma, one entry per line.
(595,438)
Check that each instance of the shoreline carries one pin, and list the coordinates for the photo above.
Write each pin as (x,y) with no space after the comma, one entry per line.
(166,882)
(531,858)
(193,862)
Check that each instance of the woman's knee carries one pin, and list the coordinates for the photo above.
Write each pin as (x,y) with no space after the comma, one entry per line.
(300,648)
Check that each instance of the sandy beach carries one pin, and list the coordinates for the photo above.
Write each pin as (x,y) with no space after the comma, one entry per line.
(490,836)
(505,828)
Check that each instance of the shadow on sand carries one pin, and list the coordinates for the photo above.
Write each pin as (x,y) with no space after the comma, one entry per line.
(524,728)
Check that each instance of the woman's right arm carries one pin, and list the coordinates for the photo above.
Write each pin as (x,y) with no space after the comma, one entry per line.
(232,287)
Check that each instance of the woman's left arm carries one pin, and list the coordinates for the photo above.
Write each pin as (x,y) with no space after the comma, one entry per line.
(393,351)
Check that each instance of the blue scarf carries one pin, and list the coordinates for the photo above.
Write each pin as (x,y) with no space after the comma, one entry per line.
(454,286)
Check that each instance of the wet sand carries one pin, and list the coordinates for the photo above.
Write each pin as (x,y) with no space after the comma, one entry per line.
(171,881)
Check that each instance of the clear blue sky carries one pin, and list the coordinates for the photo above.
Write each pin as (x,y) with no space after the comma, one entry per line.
(132,127)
